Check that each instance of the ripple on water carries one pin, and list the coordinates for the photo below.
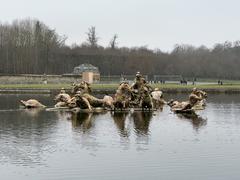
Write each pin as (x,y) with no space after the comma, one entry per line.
(134,145)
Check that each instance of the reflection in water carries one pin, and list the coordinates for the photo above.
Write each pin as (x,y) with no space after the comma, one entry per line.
(25,136)
(141,122)
(63,115)
(160,108)
(32,112)
(120,121)
(11,101)
(138,144)
(82,121)
(196,120)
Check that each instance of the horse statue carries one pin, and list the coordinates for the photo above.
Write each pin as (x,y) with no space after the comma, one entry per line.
(146,99)
(122,96)
(82,86)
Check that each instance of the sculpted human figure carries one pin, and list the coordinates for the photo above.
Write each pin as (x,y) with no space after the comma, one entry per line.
(108,101)
(157,97)
(146,99)
(136,86)
(201,103)
(138,89)
(62,98)
(137,82)
(194,98)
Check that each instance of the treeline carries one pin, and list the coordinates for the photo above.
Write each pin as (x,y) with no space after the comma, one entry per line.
(29,46)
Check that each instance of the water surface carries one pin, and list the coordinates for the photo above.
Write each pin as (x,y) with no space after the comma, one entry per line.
(36,144)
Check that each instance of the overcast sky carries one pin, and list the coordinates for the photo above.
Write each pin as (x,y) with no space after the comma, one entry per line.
(155,23)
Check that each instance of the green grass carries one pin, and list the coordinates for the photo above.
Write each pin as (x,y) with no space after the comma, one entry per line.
(202,86)
(212,80)
(34,86)
(53,86)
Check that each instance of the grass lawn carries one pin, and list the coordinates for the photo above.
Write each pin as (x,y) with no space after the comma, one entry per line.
(202,86)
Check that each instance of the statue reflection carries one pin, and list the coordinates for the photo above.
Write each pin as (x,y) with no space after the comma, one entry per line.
(196,120)
(33,112)
(141,122)
(160,108)
(82,121)
(120,121)
(63,115)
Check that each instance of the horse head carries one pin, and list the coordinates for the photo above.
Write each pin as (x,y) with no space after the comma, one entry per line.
(83,86)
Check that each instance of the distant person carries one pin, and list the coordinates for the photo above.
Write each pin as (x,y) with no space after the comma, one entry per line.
(193,82)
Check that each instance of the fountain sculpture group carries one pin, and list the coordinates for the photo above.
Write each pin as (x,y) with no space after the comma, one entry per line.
(138,96)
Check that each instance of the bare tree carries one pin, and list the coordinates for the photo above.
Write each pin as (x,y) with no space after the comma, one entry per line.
(92,38)
(113,42)
(29,46)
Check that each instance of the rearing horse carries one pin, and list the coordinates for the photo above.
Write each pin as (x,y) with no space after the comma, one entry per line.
(83,86)
(123,95)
